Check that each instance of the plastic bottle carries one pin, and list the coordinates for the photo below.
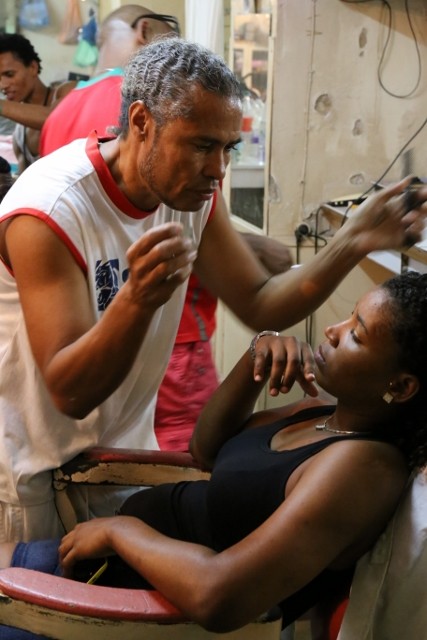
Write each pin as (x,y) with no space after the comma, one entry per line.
(246,131)
(252,147)
(262,130)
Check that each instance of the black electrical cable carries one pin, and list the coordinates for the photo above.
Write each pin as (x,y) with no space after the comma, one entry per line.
(376,184)
(417,49)
(301,232)
(315,235)
(382,57)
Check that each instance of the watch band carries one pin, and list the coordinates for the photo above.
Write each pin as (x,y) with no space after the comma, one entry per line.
(259,335)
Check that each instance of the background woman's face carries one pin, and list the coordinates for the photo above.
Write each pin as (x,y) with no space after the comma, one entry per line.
(16,80)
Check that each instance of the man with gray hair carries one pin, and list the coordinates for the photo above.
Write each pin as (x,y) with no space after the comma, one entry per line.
(122,33)
(98,240)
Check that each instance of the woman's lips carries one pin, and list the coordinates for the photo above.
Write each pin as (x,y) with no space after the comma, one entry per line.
(319,357)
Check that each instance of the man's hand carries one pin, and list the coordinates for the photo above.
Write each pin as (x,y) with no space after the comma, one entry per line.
(160,261)
(385,221)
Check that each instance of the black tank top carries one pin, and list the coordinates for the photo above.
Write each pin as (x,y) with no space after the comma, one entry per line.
(247,485)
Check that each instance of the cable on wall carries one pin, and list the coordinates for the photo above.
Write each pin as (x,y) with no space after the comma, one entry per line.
(308,98)
(304,229)
(417,49)
(377,183)
(386,46)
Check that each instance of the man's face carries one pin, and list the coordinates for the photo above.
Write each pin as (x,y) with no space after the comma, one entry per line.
(186,158)
(16,80)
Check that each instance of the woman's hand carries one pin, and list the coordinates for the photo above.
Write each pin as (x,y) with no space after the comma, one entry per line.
(285,360)
(87,540)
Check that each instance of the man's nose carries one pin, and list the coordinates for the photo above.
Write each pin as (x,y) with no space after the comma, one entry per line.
(216,166)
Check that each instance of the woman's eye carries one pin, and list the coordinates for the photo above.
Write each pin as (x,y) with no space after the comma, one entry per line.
(354,336)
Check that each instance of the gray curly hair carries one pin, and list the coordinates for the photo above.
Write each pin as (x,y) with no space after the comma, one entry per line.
(163,74)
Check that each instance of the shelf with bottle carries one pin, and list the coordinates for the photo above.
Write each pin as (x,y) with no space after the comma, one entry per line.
(251,149)
(247,177)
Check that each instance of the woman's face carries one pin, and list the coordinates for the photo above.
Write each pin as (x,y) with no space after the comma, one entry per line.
(17,81)
(360,356)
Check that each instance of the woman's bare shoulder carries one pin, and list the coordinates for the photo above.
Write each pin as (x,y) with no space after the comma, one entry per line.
(372,471)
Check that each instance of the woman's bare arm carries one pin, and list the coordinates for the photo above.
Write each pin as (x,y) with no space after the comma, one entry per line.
(329,519)
(33,115)
(279,362)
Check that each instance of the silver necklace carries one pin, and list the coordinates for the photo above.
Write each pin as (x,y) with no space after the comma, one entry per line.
(342,432)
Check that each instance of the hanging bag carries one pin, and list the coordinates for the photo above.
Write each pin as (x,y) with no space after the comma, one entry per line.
(87,51)
(33,14)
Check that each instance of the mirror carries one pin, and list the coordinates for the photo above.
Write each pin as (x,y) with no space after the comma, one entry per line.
(250,58)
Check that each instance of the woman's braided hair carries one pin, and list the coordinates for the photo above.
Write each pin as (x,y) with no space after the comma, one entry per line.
(408,322)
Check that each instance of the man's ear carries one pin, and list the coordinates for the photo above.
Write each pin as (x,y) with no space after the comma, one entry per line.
(404,387)
(143,32)
(139,117)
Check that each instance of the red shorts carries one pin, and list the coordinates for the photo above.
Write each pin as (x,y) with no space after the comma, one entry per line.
(190,380)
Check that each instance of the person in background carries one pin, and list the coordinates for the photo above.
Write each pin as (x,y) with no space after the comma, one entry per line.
(7,127)
(297,494)
(191,376)
(20,68)
(98,240)
(6,178)
(120,35)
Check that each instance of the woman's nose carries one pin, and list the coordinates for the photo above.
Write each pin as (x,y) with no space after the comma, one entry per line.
(332,334)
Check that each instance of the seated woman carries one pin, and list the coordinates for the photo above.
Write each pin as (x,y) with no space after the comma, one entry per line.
(297,493)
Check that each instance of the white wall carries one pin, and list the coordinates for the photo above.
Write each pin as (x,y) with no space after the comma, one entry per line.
(335,129)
